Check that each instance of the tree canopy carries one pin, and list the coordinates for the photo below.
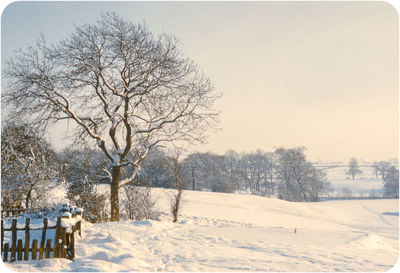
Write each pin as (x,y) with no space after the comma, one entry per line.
(125,88)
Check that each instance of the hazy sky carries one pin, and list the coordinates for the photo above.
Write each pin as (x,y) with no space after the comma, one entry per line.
(323,75)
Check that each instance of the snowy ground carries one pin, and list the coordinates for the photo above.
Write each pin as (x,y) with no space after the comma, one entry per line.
(232,232)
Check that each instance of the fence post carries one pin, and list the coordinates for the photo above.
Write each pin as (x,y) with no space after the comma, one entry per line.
(14,239)
(34,249)
(2,234)
(5,252)
(45,224)
(79,228)
(55,249)
(48,249)
(63,236)
(41,251)
(27,238)
(58,230)
(72,244)
(19,249)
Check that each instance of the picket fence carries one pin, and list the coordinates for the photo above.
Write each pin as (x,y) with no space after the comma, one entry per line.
(63,245)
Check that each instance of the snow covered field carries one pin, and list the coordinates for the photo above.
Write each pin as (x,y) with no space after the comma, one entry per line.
(364,184)
(232,232)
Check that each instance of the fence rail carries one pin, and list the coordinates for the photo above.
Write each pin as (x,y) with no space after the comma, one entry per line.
(15,212)
(62,246)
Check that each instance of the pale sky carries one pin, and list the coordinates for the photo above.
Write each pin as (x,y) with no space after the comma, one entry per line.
(323,75)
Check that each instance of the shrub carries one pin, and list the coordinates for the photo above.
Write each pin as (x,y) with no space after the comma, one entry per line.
(83,194)
(138,203)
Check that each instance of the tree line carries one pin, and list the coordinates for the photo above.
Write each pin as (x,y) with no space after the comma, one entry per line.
(31,168)
(285,173)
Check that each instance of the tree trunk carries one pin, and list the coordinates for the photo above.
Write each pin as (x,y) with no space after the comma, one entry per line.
(28,198)
(114,200)
(193,179)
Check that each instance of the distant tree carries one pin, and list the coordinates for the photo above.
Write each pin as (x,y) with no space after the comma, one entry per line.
(192,165)
(318,184)
(243,171)
(29,167)
(382,168)
(155,170)
(232,163)
(270,174)
(258,172)
(208,171)
(257,166)
(354,169)
(125,89)
(298,179)
(391,183)
(217,173)
(346,192)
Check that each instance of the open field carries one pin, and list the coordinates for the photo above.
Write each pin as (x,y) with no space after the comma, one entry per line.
(232,232)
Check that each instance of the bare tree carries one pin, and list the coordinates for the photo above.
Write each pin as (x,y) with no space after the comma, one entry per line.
(191,165)
(299,180)
(29,166)
(270,173)
(126,89)
(180,183)
(232,163)
(353,168)
(382,167)
(257,164)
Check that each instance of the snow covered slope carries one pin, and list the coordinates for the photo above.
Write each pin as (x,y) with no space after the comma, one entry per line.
(232,232)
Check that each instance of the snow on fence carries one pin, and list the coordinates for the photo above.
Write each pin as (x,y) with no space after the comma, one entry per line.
(63,244)
(41,211)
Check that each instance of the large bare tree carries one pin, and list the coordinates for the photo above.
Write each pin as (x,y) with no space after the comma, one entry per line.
(125,88)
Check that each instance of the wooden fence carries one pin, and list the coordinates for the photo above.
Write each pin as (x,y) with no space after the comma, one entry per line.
(63,245)
(17,211)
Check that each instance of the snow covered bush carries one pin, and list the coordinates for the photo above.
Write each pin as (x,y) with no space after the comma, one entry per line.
(138,202)
(82,174)
(83,194)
